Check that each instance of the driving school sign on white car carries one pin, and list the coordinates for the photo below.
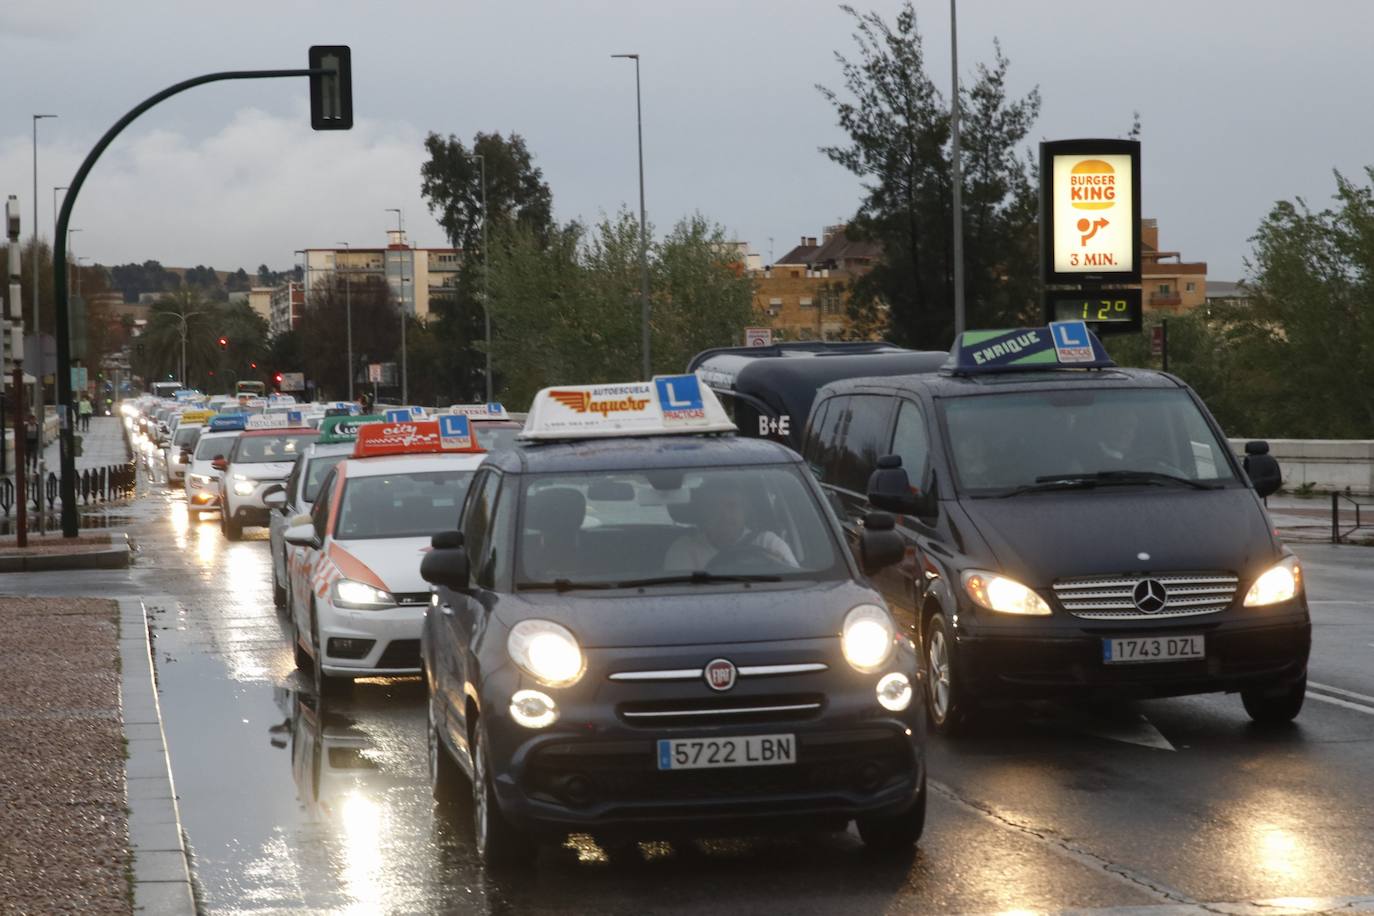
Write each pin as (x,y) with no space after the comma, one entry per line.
(1090,211)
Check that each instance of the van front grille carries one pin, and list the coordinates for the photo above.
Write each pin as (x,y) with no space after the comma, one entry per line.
(1114,597)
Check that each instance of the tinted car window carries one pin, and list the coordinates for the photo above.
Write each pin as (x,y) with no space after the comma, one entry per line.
(811,448)
(864,439)
(910,440)
(319,469)
(477,518)
(827,447)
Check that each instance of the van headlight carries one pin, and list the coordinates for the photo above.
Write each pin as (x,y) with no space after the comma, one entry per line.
(868,637)
(350,593)
(245,487)
(547,652)
(1006,596)
(1280,582)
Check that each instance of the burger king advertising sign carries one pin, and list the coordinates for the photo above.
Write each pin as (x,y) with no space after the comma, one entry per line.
(1090,211)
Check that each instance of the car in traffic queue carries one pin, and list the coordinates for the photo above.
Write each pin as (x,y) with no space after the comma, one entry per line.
(357,599)
(176,455)
(202,475)
(648,625)
(260,460)
(496,427)
(336,437)
(1073,528)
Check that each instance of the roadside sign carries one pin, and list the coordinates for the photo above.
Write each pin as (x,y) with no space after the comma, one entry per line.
(293,381)
(758,337)
(79,378)
(1157,340)
(374,372)
(1090,211)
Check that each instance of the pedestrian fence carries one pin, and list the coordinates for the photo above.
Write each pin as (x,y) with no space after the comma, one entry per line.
(93,485)
(1339,534)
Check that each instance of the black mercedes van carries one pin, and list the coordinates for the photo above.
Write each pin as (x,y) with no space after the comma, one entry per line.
(1071,528)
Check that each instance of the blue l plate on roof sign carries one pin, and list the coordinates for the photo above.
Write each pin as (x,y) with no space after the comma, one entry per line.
(679,392)
(1072,343)
(451,425)
(398,415)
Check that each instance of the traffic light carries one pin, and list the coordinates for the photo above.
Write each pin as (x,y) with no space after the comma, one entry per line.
(224,343)
(331,93)
(252,365)
(277,378)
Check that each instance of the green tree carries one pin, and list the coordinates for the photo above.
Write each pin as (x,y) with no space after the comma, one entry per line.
(376,331)
(703,294)
(899,145)
(516,195)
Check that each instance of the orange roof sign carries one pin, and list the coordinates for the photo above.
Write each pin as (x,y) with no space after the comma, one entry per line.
(417,437)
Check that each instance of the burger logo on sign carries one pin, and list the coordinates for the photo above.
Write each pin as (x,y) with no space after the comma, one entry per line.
(1092,185)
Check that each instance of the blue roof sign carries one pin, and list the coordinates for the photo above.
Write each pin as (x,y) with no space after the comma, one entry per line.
(1063,344)
(225,423)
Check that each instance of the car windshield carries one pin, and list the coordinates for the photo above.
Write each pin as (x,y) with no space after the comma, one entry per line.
(261,449)
(212,447)
(618,528)
(316,472)
(401,505)
(1007,443)
(495,438)
(186,436)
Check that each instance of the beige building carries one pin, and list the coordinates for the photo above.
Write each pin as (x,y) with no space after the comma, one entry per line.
(805,294)
(418,277)
(260,301)
(1168,283)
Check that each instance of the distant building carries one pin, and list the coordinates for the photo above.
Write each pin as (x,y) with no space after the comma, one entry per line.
(260,301)
(1168,283)
(804,295)
(418,277)
(1224,292)
(287,303)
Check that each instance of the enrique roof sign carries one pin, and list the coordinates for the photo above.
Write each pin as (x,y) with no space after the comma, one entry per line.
(1090,211)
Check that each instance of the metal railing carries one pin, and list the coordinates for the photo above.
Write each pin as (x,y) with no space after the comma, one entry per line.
(93,485)
(1338,535)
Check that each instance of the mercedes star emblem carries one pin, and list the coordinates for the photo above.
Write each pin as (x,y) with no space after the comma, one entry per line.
(1150,596)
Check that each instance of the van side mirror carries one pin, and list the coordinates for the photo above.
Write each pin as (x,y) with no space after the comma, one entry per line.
(1262,468)
(447,567)
(880,545)
(275,497)
(890,489)
(446,540)
(220,464)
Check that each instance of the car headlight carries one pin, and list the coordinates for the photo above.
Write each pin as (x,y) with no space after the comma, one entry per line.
(1280,582)
(200,479)
(245,487)
(868,637)
(547,652)
(352,594)
(1006,596)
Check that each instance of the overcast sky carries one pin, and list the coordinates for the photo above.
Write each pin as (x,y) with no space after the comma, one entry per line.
(1243,102)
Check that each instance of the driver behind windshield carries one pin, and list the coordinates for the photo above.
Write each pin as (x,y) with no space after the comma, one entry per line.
(720,510)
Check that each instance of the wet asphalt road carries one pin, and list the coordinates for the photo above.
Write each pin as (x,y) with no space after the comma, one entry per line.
(1170,803)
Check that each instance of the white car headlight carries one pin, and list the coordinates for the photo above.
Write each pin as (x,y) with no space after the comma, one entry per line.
(1006,596)
(547,652)
(351,594)
(868,637)
(245,487)
(1280,582)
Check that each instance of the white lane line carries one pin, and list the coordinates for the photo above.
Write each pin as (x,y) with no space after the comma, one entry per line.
(1367,710)
(1342,693)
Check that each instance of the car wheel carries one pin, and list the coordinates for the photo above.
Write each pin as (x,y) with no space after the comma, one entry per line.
(326,685)
(499,845)
(303,660)
(897,831)
(193,515)
(446,778)
(1275,705)
(946,701)
(233,530)
(278,592)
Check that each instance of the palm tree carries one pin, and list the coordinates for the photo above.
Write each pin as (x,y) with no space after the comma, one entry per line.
(180,333)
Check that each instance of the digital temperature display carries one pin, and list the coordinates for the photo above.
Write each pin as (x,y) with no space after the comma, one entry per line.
(1106,311)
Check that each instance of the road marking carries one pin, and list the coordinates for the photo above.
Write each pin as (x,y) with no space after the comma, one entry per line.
(1275,907)
(1340,692)
(1132,729)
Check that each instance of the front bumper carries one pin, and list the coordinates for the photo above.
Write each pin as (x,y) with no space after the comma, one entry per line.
(249,509)
(596,769)
(380,643)
(1272,646)
(201,495)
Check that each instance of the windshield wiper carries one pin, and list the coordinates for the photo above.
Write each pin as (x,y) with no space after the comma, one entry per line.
(699,577)
(1051,482)
(564,585)
(1130,476)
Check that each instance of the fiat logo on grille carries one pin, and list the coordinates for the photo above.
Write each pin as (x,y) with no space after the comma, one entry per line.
(1150,596)
(720,674)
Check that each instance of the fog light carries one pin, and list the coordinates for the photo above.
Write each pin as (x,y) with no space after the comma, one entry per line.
(894,691)
(533,709)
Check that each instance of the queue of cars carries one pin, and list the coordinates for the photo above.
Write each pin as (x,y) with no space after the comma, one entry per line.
(737,599)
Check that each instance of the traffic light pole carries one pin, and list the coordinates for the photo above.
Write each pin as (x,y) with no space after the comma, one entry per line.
(64,346)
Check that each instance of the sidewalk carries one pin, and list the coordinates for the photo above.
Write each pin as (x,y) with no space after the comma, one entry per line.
(1309,518)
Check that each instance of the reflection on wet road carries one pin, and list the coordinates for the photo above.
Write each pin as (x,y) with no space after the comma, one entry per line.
(294,805)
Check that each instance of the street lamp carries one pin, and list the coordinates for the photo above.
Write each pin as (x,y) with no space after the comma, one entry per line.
(957,178)
(400,269)
(38,328)
(54,208)
(348,310)
(643,231)
(486,305)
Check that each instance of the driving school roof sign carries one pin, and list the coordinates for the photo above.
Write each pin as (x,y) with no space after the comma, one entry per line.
(414,437)
(1064,344)
(1090,211)
(668,404)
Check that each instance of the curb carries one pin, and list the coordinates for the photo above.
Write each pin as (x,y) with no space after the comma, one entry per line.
(161,865)
(117,558)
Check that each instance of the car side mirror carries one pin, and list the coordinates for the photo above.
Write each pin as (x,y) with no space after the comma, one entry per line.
(275,497)
(880,546)
(447,567)
(446,540)
(220,464)
(1262,468)
(890,489)
(186,456)
(302,536)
